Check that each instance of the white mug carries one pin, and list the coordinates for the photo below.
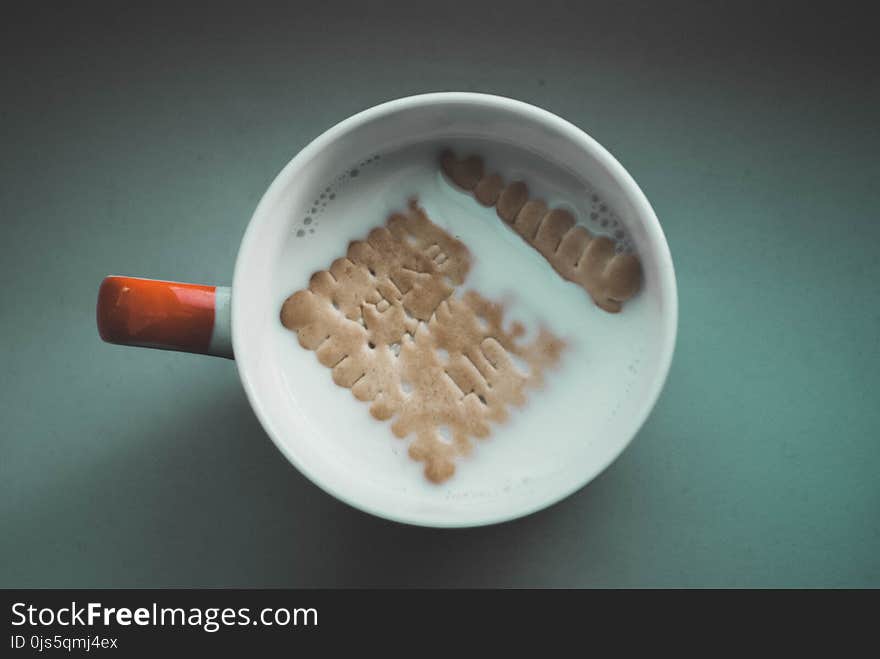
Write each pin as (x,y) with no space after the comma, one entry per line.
(242,320)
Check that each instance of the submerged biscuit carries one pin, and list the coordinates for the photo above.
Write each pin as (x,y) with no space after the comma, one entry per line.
(386,320)
(466,173)
(488,189)
(511,200)
(593,262)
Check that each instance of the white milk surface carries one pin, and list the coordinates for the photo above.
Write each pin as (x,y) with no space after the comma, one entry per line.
(580,400)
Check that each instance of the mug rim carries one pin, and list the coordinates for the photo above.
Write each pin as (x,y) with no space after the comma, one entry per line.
(634,195)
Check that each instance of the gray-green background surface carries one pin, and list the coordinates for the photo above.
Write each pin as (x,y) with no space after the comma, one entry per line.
(138,141)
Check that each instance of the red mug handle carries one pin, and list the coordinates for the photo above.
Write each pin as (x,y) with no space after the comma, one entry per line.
(165,314)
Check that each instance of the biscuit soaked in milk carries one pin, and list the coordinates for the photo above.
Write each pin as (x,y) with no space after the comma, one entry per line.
(391,322)
(593,262)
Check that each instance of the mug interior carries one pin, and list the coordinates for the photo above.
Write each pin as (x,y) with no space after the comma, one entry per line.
(280,378)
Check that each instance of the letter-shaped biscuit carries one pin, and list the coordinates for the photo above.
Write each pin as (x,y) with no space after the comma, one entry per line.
(380,317)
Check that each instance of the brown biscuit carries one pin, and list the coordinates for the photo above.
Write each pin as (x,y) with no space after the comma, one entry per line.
(488,189)
(464,173)
(553,228)
(471,387)
(529,218)
(511,201)
(380,319)
(592,262)
(609,277)
(572,248)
